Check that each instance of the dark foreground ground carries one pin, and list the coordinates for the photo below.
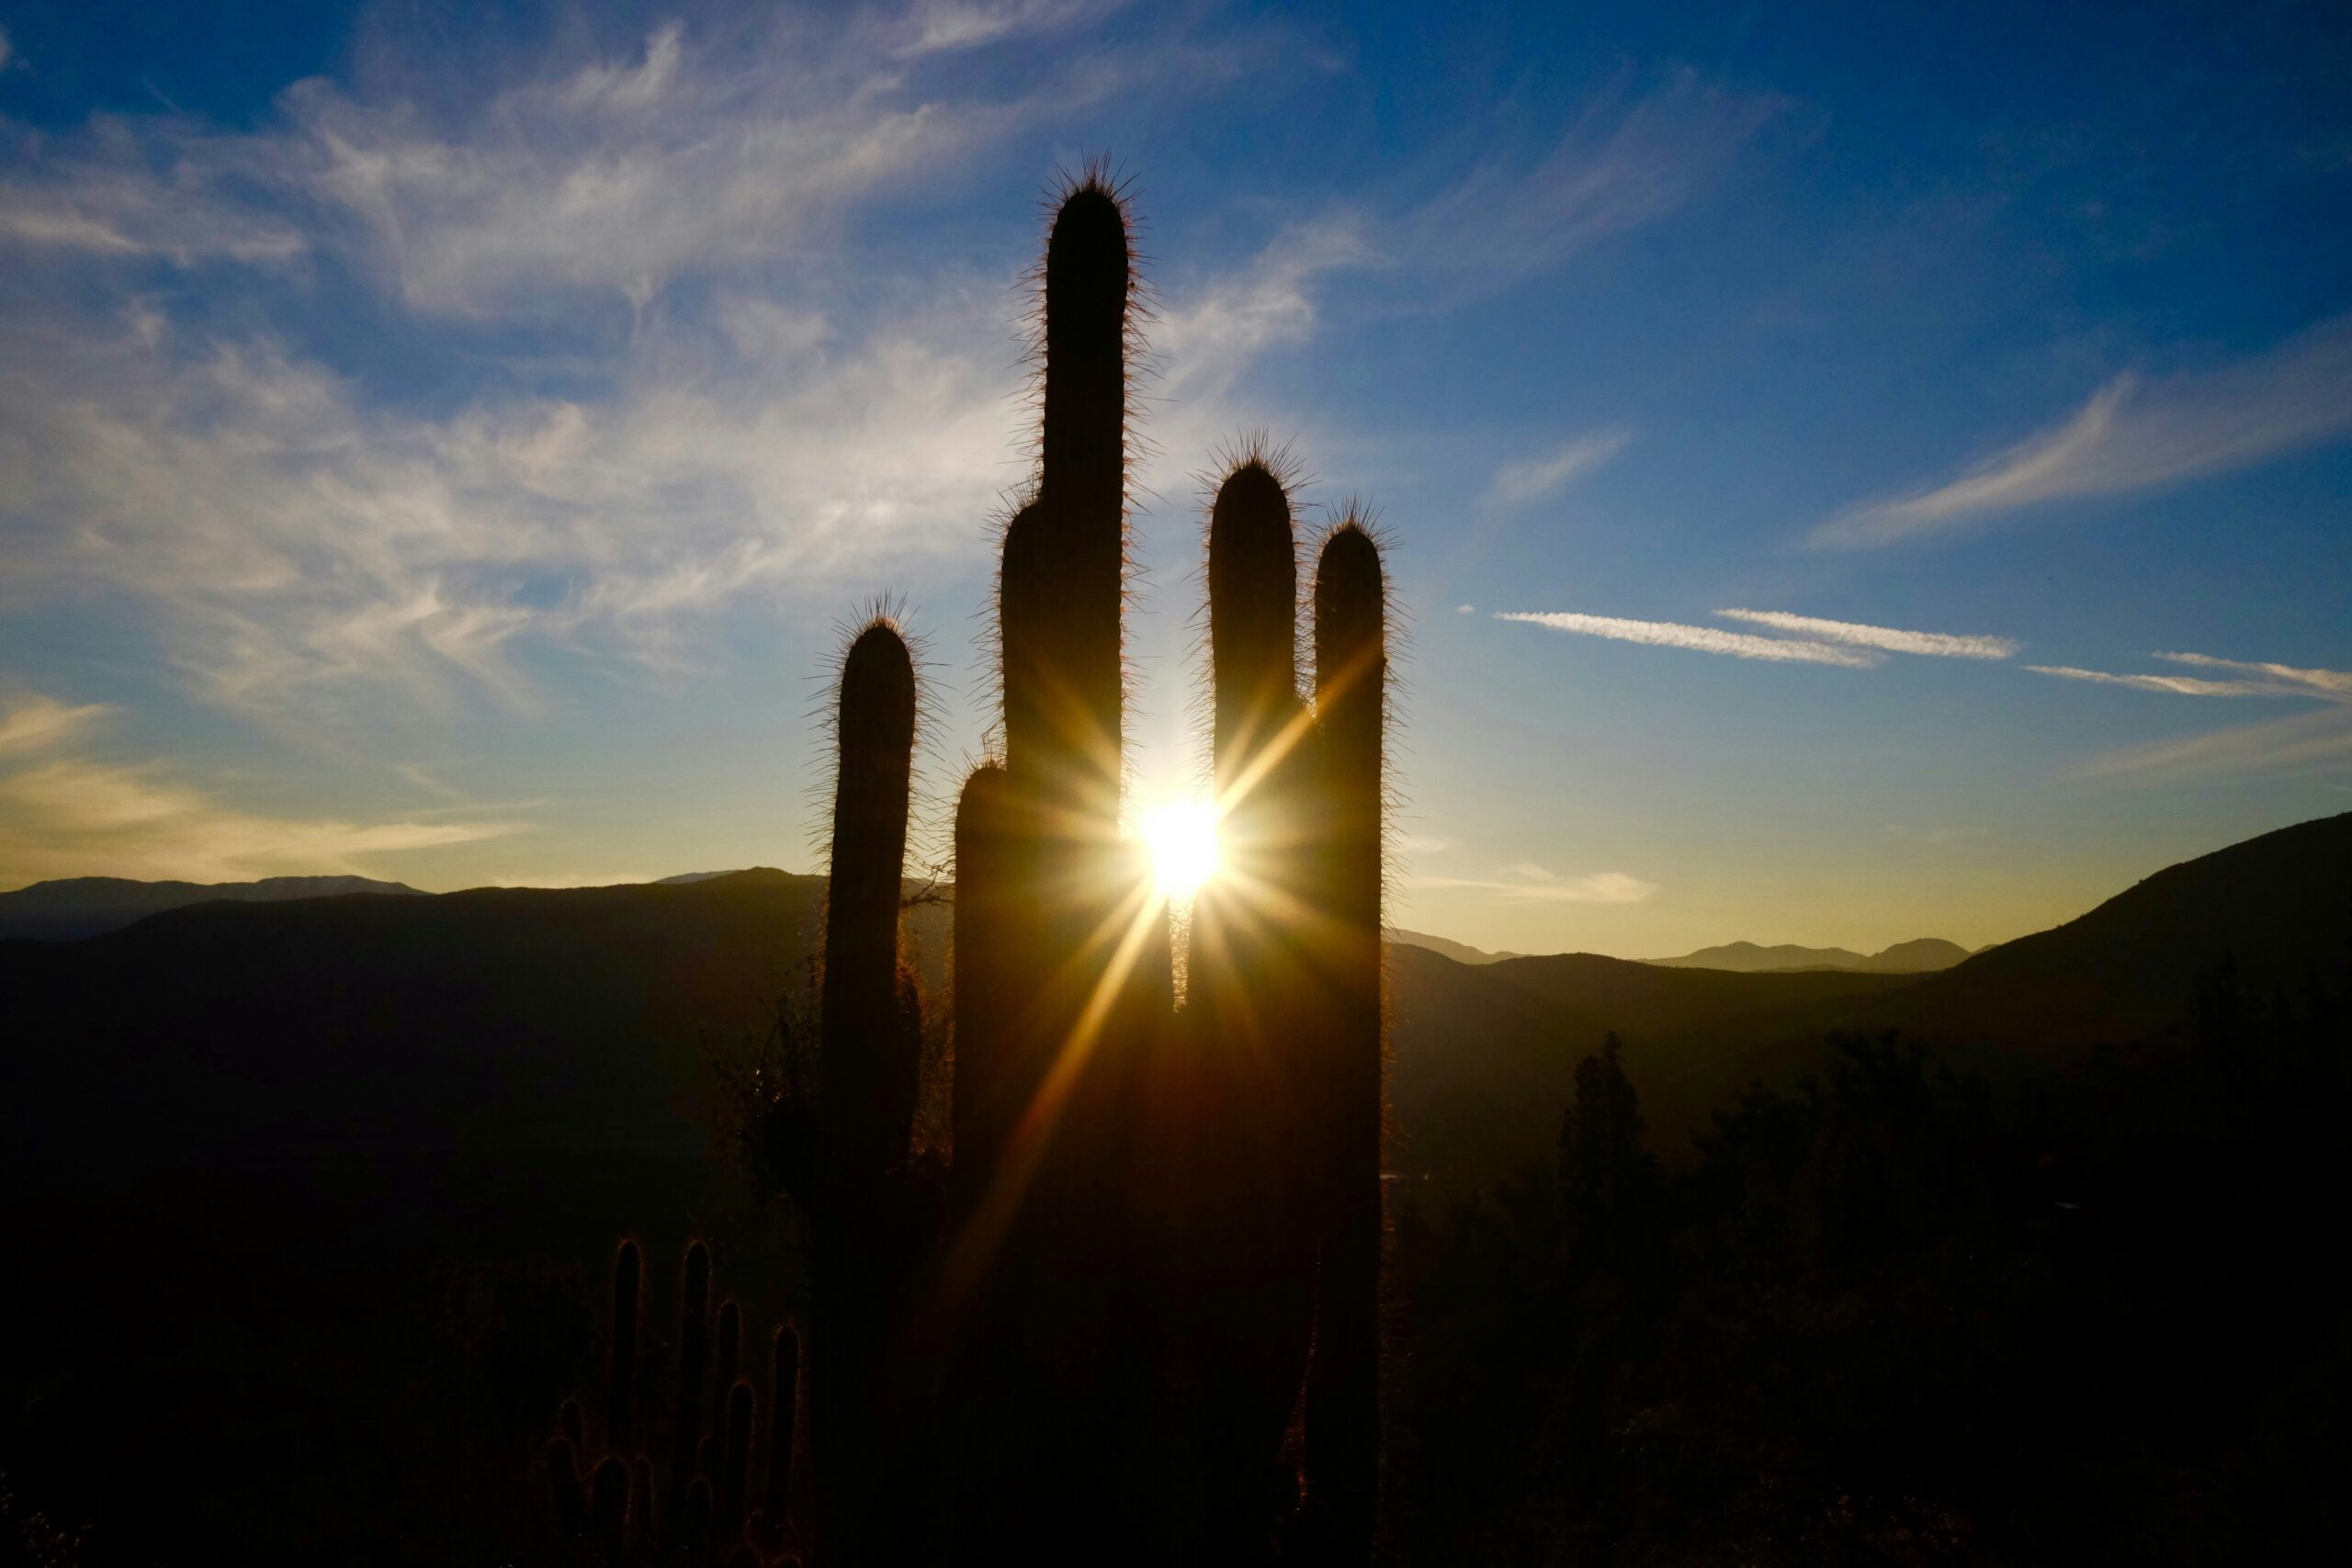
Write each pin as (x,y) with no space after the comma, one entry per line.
(310,1207)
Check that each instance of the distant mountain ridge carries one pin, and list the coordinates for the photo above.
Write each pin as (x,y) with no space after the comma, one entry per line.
(580,1013)
(70,909)
(1460,952)
(1918,956)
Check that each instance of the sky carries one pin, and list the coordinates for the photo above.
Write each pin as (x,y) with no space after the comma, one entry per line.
(1846,476)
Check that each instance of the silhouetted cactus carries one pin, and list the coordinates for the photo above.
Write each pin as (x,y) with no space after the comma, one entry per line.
(608,1508)
(1166,1227)
(735,1459)
(620,1395)
(1343,1426)
(784,1406)
(567,1499)
(694,1373)
(614,1510)
(694,1535)
(866,1236)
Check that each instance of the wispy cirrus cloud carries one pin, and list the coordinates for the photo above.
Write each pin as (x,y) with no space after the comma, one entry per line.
(709,151)
(1622,163)
(2179,685)
(1935,645)
(937,26)
(2136,435)
(1698,639)
(35,721)
(290,532)
(1534,479)
(1529,883)
(2331,682)
(283,525)
(2307,742)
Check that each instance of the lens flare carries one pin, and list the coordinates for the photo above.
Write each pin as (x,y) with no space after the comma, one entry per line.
(1182,837)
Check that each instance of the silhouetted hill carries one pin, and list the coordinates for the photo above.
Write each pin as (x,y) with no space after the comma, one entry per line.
(1748,957)
(1482,1057)
(74,908)
(2277,908)
(1460,952)
(2272,910)
(1917,956)
(574,1015)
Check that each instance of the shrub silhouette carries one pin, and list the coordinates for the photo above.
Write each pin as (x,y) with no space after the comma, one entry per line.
(1159,1248)
(1898,1314)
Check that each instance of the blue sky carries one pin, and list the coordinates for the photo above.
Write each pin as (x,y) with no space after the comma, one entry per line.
(443,442)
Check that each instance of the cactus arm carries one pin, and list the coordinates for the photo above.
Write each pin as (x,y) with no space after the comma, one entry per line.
(1342,1393)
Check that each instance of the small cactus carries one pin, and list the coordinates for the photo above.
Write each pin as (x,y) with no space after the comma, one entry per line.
(621,1385)
(613,1509)
(783,1410)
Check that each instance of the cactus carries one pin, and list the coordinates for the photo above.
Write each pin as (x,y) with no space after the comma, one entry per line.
(608,1507)
(1342,1448)
(783,1409)
(621,1385)
(865,1204)
(612,1510)
(1164,1225)
(694,1370)
(735,1461)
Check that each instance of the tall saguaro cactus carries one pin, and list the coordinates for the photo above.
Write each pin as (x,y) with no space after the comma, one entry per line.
(1163,1225)
(1350,703)
(865,1252)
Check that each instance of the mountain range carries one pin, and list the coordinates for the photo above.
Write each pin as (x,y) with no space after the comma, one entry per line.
(72,908)
(1914,957)
(576,1016)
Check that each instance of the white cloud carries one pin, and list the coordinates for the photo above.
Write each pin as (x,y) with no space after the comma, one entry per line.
(284,532)
(101,200)
(2309,741)
(1531,883)
(2179,685)
(37,721)
(703,151)
(1698,640)
(2136,435)
(280,526)
(1934,644)
(1534,478)
(2332,682)
(936,25)
(1205,335)
(1618,167)
(80,819)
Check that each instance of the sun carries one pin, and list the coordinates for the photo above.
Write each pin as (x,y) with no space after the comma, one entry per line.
(1182,837)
